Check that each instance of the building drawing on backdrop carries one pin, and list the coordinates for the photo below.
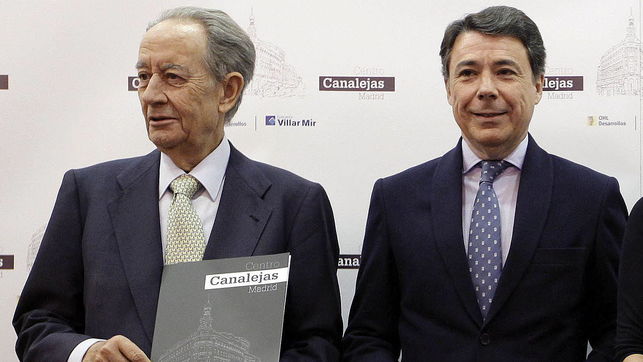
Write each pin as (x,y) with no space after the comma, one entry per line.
(273,76)
(34,245)
(208,344)
(619,72)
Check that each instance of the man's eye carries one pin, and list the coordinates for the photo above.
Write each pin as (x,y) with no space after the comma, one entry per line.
(466,73)
(173,78)
(143,76)
(506,72)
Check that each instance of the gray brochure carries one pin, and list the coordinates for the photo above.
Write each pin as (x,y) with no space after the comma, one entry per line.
(222,310)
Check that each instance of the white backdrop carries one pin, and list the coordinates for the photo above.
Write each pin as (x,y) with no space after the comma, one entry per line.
(67,103)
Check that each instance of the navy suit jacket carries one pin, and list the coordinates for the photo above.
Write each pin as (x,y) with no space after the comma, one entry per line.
(558,285)
(98,270)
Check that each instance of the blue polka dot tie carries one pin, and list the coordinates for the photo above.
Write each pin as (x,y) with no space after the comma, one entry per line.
(185,238)
(485,251)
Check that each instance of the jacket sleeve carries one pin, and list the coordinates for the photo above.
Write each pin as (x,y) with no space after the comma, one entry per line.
(629,333)
(313,322)
(49,317)
(373,323)
(603,274)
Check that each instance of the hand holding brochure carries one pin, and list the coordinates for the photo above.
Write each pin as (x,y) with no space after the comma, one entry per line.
(222,309)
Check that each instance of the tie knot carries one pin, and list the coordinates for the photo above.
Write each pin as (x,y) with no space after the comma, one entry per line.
(185,185)
(491,169)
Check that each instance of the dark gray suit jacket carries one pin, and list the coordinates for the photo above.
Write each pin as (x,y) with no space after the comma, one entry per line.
(98,270)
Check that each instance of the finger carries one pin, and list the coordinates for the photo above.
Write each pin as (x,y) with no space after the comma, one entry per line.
(107,351)
(116,349)
(132,352)
(91,353)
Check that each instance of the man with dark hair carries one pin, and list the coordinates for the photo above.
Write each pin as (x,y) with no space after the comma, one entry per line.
(496,251)
(93,291)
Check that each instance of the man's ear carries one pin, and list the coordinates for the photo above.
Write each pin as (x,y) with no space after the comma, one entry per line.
(231,88)
(540,83)
(448,89)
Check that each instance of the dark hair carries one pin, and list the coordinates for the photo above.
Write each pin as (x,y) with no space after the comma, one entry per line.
(498,20)
(229,47)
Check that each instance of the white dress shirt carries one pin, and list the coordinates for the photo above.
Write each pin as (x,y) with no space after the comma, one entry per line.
(211,174)
(505,186)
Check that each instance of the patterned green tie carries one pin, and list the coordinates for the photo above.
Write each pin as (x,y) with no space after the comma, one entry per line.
(186,241)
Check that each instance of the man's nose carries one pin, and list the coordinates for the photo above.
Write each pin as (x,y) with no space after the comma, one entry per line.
(487,87)
(153,93)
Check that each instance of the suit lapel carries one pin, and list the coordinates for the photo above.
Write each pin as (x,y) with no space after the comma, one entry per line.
(135,218)
(242,213)
(532,206)
(446,201)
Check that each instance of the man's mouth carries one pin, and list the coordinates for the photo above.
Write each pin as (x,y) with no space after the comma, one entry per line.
(488,114)
(160,118)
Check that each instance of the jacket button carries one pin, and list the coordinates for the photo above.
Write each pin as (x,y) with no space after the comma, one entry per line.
(485,339)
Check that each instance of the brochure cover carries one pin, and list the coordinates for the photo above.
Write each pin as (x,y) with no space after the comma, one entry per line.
(222,310)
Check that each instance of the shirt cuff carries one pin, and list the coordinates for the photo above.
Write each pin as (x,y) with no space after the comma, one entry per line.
(78,353)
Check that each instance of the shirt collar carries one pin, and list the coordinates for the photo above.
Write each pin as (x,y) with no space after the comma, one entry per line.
(516,157)
(210,171)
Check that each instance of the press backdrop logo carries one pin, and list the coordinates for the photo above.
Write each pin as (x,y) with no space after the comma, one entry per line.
(4,81)
(369,82)
(592,121)
(563,83)
(603,120)
(289,121)
(356,84)
(236,124)
(349,261)
(562,86)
